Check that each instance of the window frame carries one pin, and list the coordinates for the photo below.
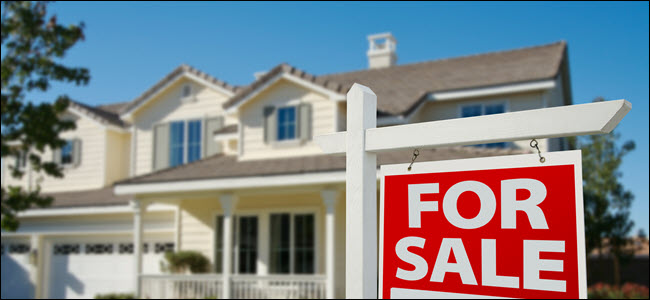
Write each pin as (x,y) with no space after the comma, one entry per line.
(68,143)
(264,236)
(186,140)
(279,124)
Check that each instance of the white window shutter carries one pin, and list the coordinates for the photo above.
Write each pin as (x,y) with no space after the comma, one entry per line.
(270,124)
(304,121)
(56,156)
(160,147)
(76,152)
(210,146)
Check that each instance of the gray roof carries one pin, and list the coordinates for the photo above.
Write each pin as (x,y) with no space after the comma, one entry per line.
(400,88)
(103,114)
(170,77)
(228,129)
(222,166)
(98,197)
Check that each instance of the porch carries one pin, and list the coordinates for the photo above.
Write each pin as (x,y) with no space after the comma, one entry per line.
(280,245)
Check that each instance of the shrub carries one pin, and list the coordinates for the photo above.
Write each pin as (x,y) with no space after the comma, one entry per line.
(183,261)
(115,296)
(627,291)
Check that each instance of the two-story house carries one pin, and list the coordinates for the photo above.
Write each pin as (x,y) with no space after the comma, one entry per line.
(232,172)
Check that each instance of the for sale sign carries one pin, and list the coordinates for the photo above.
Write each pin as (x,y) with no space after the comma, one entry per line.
(506,226)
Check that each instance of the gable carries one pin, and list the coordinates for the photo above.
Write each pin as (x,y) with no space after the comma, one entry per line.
(281,93)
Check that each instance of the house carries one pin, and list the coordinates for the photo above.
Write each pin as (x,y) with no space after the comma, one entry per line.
(195,163)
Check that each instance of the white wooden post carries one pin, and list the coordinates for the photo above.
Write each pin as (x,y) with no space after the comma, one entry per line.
(329,199)
(363,140)
(361,196)
(138,209)
(228,203)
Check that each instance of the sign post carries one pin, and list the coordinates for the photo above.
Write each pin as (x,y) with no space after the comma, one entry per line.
(363,141)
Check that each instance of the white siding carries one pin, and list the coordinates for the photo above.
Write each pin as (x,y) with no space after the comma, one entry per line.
(90,172)
(283,93)
(169,107)
(117,156)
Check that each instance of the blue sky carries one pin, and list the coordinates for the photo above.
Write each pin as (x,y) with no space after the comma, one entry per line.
(130,46)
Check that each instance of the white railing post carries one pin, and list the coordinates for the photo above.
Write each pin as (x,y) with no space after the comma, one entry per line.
(137,243)
(329,199)
(361,196)
(228,202)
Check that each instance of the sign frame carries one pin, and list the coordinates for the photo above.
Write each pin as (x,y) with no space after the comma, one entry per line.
(573,157)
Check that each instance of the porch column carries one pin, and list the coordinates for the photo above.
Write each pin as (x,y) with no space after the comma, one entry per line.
(329,199)
(138,209)
(228,202)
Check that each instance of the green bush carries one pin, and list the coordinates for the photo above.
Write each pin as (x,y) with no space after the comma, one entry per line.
(627,291)
(115,296)
(182,261)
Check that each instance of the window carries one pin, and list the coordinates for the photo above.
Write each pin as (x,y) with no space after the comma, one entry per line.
(193,141)
(280,244)
(185,142)
(66,153)
(287,123)
(247,239)
(475,110)
(292,244)
(21,160)
(176,143)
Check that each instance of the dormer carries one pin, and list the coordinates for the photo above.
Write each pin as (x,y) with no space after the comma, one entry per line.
(382,50)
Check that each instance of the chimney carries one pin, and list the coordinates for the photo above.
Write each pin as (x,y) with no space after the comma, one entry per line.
(382,51)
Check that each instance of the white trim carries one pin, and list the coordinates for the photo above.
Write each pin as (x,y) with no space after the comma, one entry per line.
(231,183)
(85,233)
(185,74)
(493,90)
(306,84)
(595,118)
(494,163)
(224,137)
(55,212)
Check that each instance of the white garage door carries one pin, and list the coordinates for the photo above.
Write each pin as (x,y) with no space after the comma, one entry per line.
(14,260)
(88,267)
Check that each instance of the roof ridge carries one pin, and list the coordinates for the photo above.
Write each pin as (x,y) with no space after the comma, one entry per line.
(560,42)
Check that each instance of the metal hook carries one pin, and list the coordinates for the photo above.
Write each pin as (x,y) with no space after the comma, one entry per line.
(416,153)
(534,144)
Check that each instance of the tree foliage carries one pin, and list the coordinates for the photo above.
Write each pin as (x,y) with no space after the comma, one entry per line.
(607,202)
(33,45)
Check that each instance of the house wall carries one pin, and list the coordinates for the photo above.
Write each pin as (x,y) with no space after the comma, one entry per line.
(118,159)
(168,107)
(89,174)
(283,93)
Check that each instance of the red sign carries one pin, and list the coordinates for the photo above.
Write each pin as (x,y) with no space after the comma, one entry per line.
(505,226)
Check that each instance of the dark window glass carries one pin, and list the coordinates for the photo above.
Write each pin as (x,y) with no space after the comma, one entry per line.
(218,249)
(304,240)
(176,142)
(66,153)
(247,245)
(193,141)
(286,123)
(280,243)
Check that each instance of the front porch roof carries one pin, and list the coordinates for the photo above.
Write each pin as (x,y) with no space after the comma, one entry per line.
(228,167)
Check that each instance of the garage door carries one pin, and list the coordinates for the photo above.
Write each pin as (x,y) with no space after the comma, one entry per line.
(87,268)
(15,271)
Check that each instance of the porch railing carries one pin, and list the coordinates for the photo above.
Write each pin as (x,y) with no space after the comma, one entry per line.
(181,286)
(242,287)
(278,287)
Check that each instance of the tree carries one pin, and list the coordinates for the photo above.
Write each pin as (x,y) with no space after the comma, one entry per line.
(33,45)
(607,202)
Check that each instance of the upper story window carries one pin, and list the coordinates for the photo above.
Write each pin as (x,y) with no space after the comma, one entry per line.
(184,142)
(21,160)
(67,153)
(474,110)
(187,91)
(287,124)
